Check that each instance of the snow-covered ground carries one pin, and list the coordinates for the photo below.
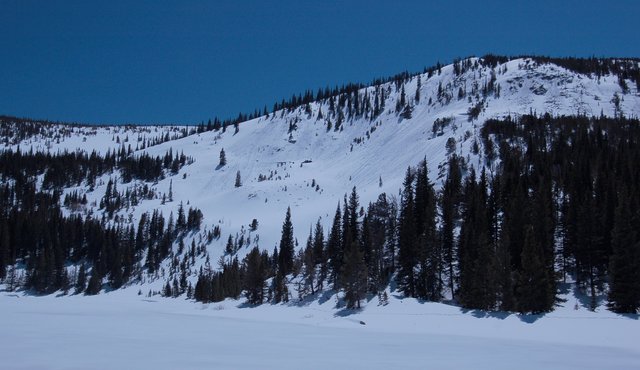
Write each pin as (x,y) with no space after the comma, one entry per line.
(122,330)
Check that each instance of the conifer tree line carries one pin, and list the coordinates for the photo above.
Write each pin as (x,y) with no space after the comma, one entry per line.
(349,102)
(14,130)
(66,169)
(38,242)
(561,208)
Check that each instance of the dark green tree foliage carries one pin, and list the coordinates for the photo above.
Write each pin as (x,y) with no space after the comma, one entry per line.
(285,261)
(238,182)
(280,290)
(450,199)
(407,243)
(334,248)
(624,294)
(309,268)
(477,287)
(320,254)
(429,285)
(254,276)
(353,276)
(576,167)
(532,291)
(379,245)
(36,234)
(223,158)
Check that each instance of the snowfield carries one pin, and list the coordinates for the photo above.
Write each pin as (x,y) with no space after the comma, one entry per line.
(121,330)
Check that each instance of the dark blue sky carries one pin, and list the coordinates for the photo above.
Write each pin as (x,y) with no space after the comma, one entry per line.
(185,61)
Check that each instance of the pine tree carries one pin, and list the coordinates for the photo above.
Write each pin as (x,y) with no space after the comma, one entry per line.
(223,158)
(81,280)
(230,248)
(238,182)
(334,249)
(450,199)
(308,268)
(318,243)
(532,279)
(354,276)
(407,241)
(95,283)
(624,293)
(285,262)
(4,249)
(320,254)
(254,277)
(429,282)
(280,290)
(407,111)
(352,212)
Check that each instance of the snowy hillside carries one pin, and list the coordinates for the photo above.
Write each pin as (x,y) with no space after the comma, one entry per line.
(311,168)
(291,158)
(308,157)
(371,155)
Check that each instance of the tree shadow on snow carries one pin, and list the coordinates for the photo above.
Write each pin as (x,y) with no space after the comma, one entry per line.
(632,316)
(346,312)
(310,298)
(526,318)
(486,314)
(583,300)
(530,318)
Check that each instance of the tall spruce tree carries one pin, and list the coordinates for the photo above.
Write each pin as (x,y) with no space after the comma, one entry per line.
(407,241)
(223,158)
(624,293)
(449,208)
(334,249)
(254,277)
(532,292)
(429,282)
(285,262)
(354,276)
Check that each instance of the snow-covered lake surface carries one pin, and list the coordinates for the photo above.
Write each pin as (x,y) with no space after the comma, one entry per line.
(121,330)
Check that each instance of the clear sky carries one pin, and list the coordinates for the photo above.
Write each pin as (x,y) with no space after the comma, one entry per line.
(150,61)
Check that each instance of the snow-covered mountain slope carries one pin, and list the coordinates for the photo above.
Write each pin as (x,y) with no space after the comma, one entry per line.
(291,159)
(371,155)
(58,137)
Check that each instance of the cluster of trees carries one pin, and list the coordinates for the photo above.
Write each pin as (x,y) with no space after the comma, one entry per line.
(57,252)
(14,130)
(585,172)
(66,169)
(347,97)
(349,101)
(37,239)
(561,206)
